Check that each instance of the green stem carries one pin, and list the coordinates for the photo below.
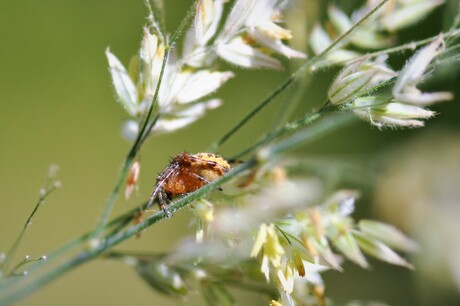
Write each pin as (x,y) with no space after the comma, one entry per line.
(352,29)
(307,135)
(294,100)
(285,130)
(406,46)
(66,250)
(12,296)
(157,13)
(149,128)
(184,23)
(114,195)
(253,112)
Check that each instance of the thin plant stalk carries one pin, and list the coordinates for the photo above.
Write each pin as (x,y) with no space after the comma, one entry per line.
(295,98)
(314,131)
(285,130)
(156,10)
(407,46)
(10,254)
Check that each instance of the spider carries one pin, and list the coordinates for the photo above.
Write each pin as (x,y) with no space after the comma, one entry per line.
(187,173)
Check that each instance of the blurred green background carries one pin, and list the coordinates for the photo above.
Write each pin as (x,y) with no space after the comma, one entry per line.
(57,107)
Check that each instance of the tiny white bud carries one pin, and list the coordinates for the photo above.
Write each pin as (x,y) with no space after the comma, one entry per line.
(263,154)
(94,243)
(129,130)
(53,170)
(347,206)
(199,236)
(130,260)
(200,274)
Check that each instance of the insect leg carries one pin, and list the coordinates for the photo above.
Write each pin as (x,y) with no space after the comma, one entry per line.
(152,197)
(160,182)
(162,203)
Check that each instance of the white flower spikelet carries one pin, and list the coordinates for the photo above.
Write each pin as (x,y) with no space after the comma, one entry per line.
(180,99)
(391,114)
(405,107)
(125,89)
(251,34)
(357,77)
(405,89)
